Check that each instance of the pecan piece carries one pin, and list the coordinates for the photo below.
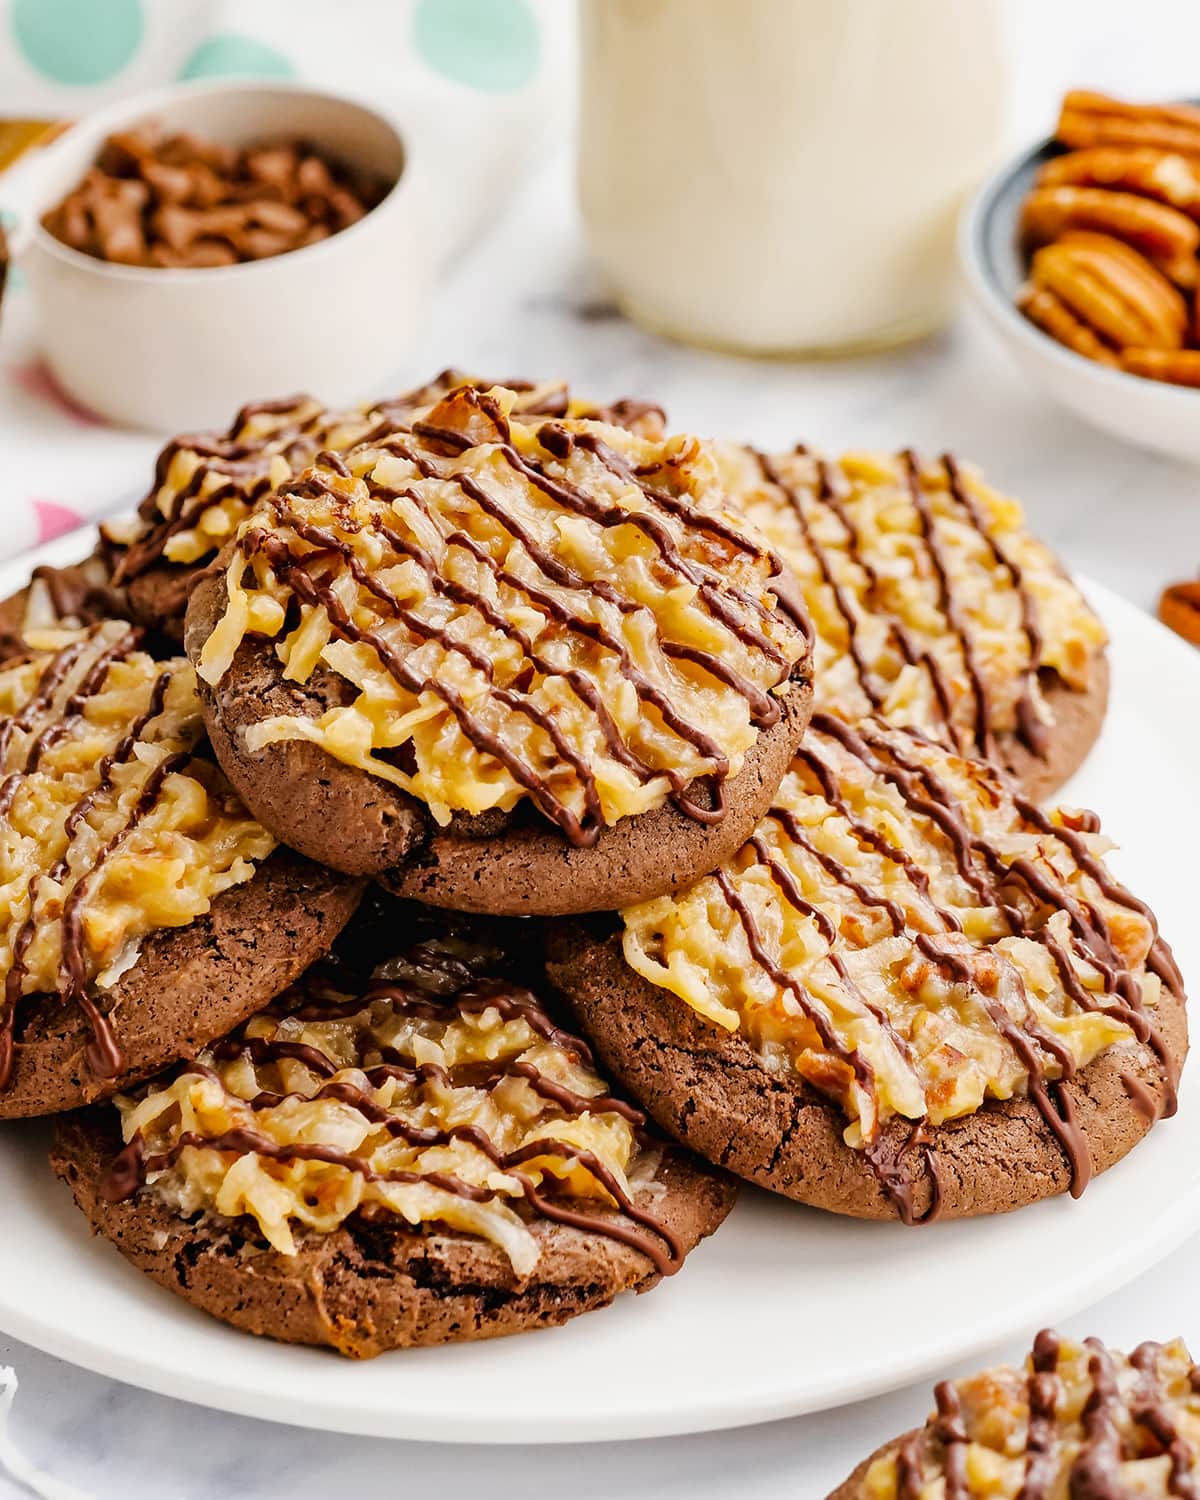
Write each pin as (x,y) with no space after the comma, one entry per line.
(1155,229)
(1177,366)
(1091,119)
(1113,289)
(1053,316)
(1163,175)
(1179,608)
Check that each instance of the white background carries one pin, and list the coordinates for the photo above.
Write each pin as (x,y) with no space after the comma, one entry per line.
(514,306)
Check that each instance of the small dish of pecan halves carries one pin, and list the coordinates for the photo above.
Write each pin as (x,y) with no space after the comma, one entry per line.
(1111,227)
(1084,256)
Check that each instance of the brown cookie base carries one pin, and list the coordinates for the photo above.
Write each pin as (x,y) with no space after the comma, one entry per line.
(368,1288)
(190,985)
(1078,720)
(506,865)
(158,597)
(708,1089)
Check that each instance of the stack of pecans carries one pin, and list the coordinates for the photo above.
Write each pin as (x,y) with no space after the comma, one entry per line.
(181,202)
(1113,225)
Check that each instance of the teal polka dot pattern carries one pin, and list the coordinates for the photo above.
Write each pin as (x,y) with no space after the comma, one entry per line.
(232,56)
(487,44)
(77,42)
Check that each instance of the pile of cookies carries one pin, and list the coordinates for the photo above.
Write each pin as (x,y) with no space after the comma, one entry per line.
(445,844)
(1113,229)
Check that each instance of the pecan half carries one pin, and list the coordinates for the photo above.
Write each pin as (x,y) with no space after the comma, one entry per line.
(1091,119)
(1179,608)
(1163,175)
(1053,316)
(1113,289)
(1156,229)
(1177,366)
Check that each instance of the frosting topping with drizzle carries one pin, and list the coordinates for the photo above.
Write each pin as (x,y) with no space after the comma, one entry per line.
(933,605)
(432,1094)
(205,484)
(912,937)
(520,612)
(111,827)
(1078,1419)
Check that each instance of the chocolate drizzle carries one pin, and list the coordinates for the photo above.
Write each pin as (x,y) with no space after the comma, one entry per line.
(994,880)
(949,604)
(731,608)
(1030,728)
(631,1225)
(1096,1472)
(800,502)
(1042,1395)
(1151,1411)
(952,1435)
(844,608)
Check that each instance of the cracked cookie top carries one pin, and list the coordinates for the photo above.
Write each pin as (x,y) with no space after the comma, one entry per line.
(933,605)
(112,825)
(561,611)
(1076,1419)
(205,484)
(912,937)
(436,1094)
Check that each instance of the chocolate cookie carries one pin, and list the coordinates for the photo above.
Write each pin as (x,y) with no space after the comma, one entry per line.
(1077,1419)
(911,993)
(423,1159)
(142,910)
(504,665)
(205,484)
(934,606)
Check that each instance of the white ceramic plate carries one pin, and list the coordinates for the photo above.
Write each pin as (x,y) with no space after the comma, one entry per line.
(784,1311)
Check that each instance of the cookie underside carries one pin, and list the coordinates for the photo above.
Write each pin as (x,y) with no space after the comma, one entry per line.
(189,986)
(708,1089)
(513,865)
(367,1288)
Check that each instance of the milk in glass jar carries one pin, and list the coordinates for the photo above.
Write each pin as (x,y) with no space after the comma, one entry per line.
(783,176)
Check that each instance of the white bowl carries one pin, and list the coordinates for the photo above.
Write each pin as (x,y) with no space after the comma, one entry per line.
(1149,413)
(177,349)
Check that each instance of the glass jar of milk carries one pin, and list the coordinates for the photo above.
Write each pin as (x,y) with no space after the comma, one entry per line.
(783,176)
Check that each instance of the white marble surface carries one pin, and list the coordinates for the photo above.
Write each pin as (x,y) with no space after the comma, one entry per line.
(523,302)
